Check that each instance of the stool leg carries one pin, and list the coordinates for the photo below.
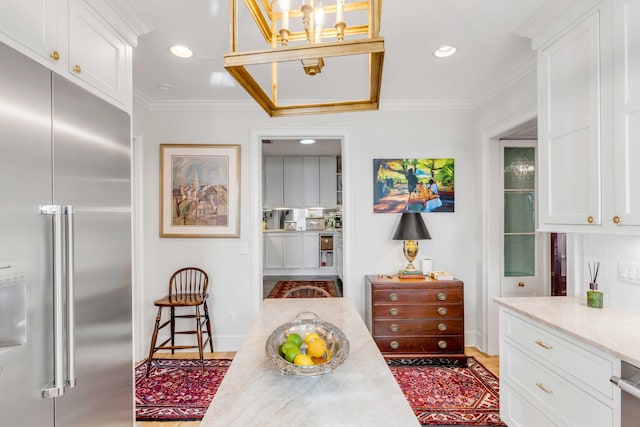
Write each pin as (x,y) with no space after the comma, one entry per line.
(199,335)
(173,329)
(206,316)
(154,337)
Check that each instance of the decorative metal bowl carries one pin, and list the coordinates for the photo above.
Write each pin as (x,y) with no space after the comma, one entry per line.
(305,323)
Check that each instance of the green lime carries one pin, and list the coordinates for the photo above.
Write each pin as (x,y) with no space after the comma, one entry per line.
(286,346)
(291,354)
(295,338)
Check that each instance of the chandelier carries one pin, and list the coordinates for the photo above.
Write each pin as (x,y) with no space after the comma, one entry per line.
(311,34)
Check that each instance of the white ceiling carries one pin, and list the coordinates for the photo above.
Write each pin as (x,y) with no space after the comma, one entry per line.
(489,52)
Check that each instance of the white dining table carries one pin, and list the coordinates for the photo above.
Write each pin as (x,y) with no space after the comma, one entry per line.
(360,392)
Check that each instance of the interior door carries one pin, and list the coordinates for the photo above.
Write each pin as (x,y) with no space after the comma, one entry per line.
(521,243)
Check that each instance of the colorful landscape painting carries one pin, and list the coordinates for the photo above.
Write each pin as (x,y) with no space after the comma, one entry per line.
(413,185)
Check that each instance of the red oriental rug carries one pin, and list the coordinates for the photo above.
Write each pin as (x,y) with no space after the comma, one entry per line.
(449,395)
(176,390)
(282,286)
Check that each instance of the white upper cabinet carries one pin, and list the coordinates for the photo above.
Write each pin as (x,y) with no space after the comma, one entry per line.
(307,182)
(626,113)
(569,126)
(273,196)
(589,119)
(293,182)
(328,181)
(311,180)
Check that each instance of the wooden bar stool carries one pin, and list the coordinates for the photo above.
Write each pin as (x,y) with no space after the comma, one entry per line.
(307,291)
(187,288)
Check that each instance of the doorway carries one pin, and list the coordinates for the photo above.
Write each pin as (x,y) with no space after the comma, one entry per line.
(301,213)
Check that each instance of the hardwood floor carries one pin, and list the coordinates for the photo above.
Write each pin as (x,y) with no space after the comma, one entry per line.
(491,362)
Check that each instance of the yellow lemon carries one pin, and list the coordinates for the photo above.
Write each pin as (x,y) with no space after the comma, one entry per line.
(317,348)
(311,337)
(302,360)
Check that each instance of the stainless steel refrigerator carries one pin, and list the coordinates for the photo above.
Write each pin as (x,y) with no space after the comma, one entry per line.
(65,252)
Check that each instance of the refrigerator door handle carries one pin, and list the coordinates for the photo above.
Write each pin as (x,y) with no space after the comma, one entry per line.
(56,389)
(71,345)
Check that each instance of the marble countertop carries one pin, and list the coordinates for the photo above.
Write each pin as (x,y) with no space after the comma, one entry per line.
(612,330)
(360,392)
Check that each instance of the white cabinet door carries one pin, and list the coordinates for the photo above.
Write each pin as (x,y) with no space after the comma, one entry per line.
(328,181)
(337,240)
(273,183)
(311,180)
(293,182)
(32,27)
(626,113)
(311,249)
(97,56)
(273,251)
(569,126)
(292,250)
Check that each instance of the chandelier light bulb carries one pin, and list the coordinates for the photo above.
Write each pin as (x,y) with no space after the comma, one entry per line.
(339,11)
(319,20)
(284,7)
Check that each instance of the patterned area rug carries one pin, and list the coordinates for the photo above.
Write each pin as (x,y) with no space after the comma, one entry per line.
(449,395)
(282,286)
(176,390)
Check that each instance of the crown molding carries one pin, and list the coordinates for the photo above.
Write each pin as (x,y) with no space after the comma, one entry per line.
(123,17)
(426,104)
(527,66)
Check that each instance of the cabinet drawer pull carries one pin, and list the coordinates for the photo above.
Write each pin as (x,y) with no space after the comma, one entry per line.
(442,344)
(76,68)
(442,296)
(442,311)
(590,219)
(393,297)
(54,55)
(393,311)
(521,284)
(543,345)
(442,327)
(394,345)
(616,219)
(543,388)
(394,328)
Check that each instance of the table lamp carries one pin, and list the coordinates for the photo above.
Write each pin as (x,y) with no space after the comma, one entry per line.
(410,229)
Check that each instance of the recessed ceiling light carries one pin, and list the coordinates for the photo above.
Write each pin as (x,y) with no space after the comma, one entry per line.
(307,141)
(165,87)
(181,51)
(444,51)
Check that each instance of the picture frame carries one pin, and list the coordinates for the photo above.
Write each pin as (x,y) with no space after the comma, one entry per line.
(413,185)
(199,190)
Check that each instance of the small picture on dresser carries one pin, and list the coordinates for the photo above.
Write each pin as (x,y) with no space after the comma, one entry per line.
(413,185)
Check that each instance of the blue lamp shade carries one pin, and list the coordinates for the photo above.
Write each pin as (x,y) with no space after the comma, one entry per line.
(411,227)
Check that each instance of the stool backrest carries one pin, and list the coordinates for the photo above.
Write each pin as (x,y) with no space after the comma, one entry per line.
(307,291)
(189,280)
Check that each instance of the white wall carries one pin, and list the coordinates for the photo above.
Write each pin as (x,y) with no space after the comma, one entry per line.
(382,134)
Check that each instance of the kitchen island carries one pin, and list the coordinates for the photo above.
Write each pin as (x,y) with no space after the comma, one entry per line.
(360,392)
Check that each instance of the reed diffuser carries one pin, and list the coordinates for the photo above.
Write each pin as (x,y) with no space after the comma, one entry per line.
(594,296)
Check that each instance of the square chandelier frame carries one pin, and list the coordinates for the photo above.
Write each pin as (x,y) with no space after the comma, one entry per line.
(236,62)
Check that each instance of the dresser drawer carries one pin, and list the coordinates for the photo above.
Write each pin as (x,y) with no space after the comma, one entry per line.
(413,327)
(417,296)
(431,344)
(589,368)
(560,398)
(444,311)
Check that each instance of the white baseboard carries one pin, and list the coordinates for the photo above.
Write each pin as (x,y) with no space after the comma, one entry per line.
(227,342)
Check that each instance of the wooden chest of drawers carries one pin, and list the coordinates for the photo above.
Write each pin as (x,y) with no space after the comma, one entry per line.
(414,318)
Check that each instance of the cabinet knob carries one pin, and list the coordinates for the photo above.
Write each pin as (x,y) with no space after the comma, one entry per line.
(442,311)
(54,55)
(393,297)
(394,328)
(442,327)
(442,296)
(616,219)
(76,68)
(442,344)
(394,345)
(521,284)
(590,219)
(393,311)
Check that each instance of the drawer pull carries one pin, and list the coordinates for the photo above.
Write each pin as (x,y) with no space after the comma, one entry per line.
(76,69)
(442,327)
(393,311)
(543,388)
(442,311)
(394,345)
(543,345)
(393,297)
(521,284)
(394,328)
(616,219)
(54,55)
(442,344)
(442,296)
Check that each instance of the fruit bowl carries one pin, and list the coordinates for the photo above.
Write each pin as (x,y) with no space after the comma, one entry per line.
(306,323)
